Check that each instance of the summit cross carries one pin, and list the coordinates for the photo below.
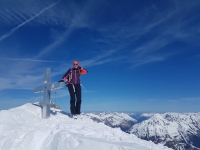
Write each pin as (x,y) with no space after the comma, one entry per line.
(46,88)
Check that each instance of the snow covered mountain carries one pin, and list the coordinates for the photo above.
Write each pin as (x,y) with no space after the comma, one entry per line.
(114,119)
(22,128)
(180,131)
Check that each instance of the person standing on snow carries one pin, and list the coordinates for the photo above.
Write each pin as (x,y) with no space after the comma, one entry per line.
(73,83)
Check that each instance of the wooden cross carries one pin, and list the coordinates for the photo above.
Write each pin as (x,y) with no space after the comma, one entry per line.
(46,88)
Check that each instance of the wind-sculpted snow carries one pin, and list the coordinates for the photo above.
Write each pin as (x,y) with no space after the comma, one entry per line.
(22,128)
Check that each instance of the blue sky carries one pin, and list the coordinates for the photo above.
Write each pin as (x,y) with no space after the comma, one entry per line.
(141,55)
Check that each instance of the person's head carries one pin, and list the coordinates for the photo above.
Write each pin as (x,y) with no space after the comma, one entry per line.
(75,63)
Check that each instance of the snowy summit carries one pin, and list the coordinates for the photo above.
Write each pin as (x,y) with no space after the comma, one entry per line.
(22,128)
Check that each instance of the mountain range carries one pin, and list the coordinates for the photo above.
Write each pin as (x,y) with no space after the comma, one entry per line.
(179,131)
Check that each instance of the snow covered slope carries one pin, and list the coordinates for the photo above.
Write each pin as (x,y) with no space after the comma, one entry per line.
(114,119)
(176,130)
(22,128)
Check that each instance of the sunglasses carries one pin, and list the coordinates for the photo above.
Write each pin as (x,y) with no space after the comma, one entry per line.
(75,64)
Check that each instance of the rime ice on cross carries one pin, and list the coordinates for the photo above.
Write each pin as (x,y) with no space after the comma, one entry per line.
(46,88)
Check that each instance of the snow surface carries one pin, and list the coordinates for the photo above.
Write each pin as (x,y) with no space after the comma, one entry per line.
(22,128)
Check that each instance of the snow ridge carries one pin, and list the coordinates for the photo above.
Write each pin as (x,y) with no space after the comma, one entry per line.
(22,128)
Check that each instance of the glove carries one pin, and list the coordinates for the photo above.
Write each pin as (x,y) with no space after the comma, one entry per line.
(61,80)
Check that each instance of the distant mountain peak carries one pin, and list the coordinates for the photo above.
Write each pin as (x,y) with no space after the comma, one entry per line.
(176,130)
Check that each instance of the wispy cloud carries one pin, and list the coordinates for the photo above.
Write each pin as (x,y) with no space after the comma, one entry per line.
(25,22)
(152,51)
(102,58)
(33,60)
(32,70)
(191,99)
(147,60)
(152,45)
(123,36)
(163,27)
(77,20)
(56,43)
(20,81)
(99,58)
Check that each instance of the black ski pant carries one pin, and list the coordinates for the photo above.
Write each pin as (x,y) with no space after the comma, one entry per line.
(75,98)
